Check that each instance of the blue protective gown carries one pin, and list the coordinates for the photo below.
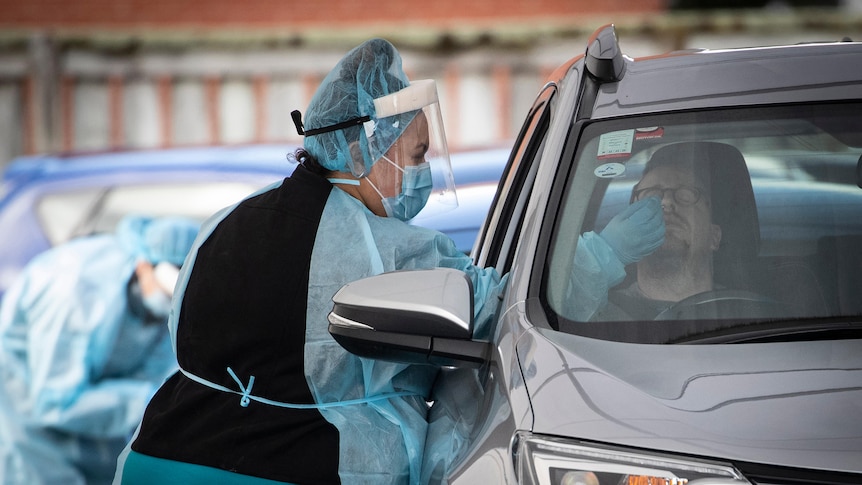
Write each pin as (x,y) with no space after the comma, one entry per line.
(230,422)
(359,244)
(78,365)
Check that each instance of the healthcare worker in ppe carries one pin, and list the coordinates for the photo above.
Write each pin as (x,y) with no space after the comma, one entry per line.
(264,394)
(83,346)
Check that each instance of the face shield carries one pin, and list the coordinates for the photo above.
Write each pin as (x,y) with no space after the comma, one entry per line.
(406,140)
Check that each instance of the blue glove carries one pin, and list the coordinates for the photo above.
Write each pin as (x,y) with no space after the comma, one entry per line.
(637,231)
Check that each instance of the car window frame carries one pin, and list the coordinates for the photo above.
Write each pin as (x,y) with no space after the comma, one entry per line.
(497,242)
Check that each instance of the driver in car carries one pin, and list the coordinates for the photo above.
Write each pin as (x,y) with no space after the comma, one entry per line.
(682,266)
(668,233)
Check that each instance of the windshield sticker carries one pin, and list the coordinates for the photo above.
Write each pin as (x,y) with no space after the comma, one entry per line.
(609,170)
(649,132)
(617,144)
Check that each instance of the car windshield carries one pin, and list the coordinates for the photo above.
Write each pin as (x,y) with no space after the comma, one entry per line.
(762,226)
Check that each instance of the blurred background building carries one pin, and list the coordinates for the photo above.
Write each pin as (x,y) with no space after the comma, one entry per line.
(92,75)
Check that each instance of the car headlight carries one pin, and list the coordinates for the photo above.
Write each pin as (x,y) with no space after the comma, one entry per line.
(545,460)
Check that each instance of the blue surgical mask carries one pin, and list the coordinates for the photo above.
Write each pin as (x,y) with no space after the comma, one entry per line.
(416,186)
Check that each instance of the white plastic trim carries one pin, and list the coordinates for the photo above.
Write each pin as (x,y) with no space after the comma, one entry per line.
(416,96)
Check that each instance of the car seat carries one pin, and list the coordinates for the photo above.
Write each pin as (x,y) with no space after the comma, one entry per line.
(734,210)
(841,259)
(736,262)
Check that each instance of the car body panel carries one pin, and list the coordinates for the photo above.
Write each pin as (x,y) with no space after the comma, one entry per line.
(779,403)
(785,404)
(506,406)
(704,79)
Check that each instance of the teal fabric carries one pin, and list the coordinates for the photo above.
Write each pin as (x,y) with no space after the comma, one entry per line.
(142,469)
(353,243)
(156,240)
(636,231)
(600,259)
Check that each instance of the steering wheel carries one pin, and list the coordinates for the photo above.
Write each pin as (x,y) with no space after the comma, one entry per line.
(716,304)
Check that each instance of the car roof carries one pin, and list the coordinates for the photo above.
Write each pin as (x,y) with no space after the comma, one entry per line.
(264,157)
(733,77)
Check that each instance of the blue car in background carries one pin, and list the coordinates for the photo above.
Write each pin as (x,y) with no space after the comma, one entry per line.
(49,199)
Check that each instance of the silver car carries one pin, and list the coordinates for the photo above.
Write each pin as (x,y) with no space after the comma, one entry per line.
(755,380)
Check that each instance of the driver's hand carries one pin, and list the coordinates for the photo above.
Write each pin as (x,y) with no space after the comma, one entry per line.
(637,231)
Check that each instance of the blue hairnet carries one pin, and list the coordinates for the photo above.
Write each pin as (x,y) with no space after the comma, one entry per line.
(166,239)
(369,71)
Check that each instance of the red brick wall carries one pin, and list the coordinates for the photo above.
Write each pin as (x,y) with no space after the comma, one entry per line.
(261,13)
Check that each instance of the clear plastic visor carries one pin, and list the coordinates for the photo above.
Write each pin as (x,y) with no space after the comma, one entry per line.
(398,168)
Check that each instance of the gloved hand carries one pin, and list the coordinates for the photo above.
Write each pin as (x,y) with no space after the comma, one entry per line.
(637,231)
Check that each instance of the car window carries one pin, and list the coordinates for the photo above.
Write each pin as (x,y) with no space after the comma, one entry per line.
(496,246)
(65,215)
(61,213)
(762,217)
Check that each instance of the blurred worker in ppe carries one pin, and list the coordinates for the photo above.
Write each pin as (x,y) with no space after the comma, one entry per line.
(264,394)
(83,346)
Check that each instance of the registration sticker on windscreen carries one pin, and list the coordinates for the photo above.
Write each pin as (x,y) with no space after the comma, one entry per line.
(649,133)
(616,144)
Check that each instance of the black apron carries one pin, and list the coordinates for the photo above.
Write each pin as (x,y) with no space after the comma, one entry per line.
(245,308)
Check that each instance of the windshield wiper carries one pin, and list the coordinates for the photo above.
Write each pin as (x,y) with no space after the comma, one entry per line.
(794,330)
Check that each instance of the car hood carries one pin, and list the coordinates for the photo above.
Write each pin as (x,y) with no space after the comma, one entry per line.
(794,404)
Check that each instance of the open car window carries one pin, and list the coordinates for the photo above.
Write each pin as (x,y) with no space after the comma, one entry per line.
(762,214)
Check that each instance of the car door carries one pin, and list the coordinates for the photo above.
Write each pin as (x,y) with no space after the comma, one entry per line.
(486,458)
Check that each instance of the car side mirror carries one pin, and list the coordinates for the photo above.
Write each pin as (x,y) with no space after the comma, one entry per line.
(414,317)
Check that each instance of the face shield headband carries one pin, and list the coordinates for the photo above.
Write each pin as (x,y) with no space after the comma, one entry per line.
(300,129)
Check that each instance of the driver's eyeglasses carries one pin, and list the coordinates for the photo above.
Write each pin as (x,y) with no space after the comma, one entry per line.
(682,195)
